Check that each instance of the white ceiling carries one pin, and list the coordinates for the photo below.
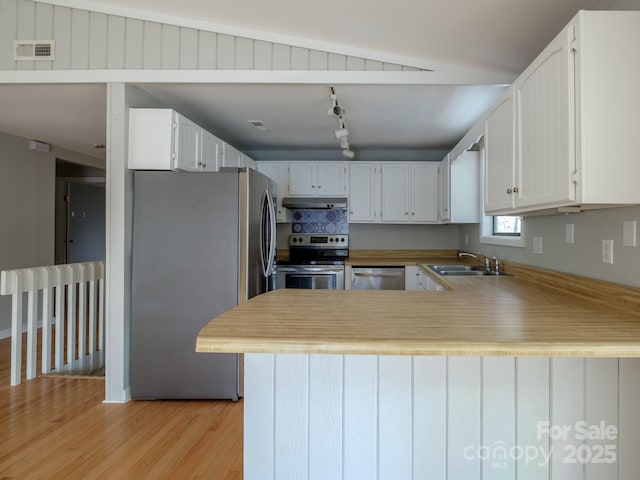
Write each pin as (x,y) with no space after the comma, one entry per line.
(498,35)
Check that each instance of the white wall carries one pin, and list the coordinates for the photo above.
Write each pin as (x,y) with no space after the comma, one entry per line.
(581,258)
(27,189)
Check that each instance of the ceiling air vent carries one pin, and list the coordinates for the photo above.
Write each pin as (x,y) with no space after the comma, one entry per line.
(33,50)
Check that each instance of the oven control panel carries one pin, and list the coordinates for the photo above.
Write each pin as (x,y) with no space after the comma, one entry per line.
(313,240)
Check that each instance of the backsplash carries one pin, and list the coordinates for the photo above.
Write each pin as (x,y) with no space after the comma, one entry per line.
(319,221)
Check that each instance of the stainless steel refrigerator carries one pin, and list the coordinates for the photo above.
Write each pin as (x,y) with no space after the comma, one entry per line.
(202,243)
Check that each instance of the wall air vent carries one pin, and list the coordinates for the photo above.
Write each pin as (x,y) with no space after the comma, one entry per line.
(33,50)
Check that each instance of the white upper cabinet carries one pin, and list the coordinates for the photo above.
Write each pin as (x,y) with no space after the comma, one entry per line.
(424,192)
(444,175)
(545,154)
(231,156)
(364,192)
(499,150)
(187,144)
(211,147)
(246,161)
(409,192)
(163,139)
(561,136)
(279,173)
(395,192)
(318,179)
(465,188)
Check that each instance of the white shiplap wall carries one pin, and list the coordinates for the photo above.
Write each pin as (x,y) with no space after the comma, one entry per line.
(86,40)
(400,417)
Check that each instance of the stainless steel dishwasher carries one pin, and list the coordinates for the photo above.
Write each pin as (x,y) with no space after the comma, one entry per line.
(377,278)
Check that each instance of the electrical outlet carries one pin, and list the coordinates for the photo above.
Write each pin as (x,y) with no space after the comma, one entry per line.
(537,245)
(607,251)
(568,233)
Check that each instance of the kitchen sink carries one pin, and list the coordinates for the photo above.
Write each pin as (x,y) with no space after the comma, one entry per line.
(463,270)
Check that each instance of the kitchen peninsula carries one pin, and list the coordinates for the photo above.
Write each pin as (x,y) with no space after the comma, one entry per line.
(370,384)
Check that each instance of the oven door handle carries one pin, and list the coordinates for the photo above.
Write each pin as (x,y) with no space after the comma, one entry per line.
(309,270)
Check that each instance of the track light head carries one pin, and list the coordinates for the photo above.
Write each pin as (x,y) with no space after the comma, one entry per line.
(341,132)
(348,154)
(337,111)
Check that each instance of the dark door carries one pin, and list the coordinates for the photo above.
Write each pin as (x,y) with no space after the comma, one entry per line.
(85,241)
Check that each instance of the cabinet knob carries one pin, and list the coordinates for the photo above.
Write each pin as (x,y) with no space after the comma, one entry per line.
(515,189)
(406,213)
(351,212)
(319,186)
(508,190)
(313,186)
(413,213)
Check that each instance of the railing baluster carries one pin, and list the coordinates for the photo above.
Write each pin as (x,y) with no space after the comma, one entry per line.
(71,318)
(101,311)
(59,359)
(58,284)
(81,313)
(92,316)
(16,334)
(32,327)
(47,314)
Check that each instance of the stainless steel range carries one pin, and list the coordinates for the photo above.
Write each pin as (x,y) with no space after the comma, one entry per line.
(316,261)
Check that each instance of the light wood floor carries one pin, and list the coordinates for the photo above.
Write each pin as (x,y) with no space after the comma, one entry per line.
(58,428)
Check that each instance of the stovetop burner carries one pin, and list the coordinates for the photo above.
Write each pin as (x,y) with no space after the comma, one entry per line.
(317,249)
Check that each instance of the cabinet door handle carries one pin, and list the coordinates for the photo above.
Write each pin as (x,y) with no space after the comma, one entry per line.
(508,190)
(515,189)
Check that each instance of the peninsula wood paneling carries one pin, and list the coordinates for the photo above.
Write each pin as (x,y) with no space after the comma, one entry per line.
(407,418)
(87,40)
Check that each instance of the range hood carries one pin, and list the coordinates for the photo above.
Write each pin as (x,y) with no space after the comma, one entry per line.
(317,203)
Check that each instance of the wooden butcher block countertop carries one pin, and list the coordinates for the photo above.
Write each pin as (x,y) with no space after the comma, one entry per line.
(533,312)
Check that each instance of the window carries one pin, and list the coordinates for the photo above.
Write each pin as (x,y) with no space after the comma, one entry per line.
(508,226)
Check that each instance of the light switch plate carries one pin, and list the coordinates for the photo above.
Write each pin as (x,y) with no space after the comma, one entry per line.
(629,233)
(537,245)
(569,231)
(607,251)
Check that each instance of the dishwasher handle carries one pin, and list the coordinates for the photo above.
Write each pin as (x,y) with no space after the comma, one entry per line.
(385,275)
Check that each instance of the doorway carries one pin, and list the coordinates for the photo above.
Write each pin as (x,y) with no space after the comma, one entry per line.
(80,213)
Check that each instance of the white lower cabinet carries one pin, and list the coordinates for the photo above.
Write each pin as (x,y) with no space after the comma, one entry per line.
(417,279)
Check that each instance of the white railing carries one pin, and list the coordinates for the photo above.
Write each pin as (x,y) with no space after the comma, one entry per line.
(70,296)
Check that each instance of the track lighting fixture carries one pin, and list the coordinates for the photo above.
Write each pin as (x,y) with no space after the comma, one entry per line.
(342,133)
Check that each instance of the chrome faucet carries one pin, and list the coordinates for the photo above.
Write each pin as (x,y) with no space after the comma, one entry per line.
(484,260)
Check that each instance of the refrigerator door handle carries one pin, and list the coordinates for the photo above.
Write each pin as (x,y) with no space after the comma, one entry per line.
(268,238)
